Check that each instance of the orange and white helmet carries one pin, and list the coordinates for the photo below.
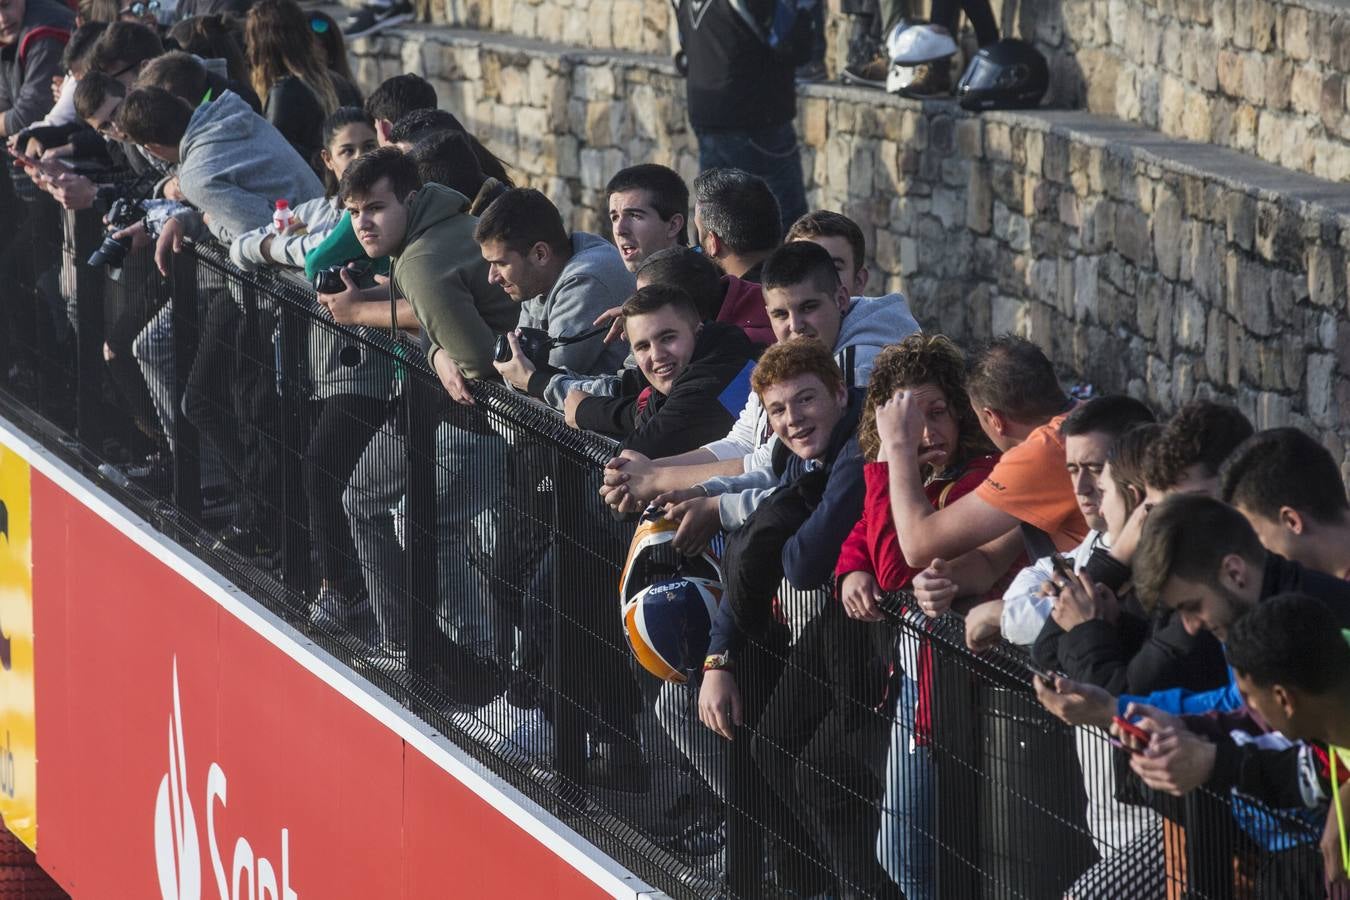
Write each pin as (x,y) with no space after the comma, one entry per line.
(669,599)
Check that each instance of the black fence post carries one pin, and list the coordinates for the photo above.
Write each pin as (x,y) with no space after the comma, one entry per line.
(566,672)
(184,318)
(291,342)
(89,328)
(956,747)
(422,566)
(745,836)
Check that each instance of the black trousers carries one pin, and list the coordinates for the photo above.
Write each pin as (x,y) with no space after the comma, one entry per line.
(344,427)
(38,338)
(231,397)
(822,746)
(947,13)
(130,304)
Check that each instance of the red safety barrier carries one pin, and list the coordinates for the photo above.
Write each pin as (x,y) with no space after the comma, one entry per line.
(190,745)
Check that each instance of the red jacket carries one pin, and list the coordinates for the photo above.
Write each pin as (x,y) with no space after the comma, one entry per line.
(743,306)
(872,545)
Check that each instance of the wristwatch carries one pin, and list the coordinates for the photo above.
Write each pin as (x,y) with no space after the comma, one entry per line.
(717,661)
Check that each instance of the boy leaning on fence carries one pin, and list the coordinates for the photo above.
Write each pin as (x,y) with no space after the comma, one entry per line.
(690,380)
(1027,502)
(1201,558)
(805,296)
(795,532)
(563,283)
(1292,663)
(437,268)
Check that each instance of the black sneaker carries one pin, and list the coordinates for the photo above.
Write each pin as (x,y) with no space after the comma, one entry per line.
(333,611)
(619,767)
(244,541)
(376,16)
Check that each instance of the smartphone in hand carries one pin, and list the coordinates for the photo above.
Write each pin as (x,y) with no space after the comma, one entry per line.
(1134,731)
(1062,567)
(1042,673)
(21,156)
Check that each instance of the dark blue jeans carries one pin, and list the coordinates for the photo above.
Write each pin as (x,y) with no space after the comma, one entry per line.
(771,153)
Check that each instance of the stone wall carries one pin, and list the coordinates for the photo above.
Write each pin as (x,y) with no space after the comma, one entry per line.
(1162,267)
(643,26)
(1267,77)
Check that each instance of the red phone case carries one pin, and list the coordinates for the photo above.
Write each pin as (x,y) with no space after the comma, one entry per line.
(1132,730)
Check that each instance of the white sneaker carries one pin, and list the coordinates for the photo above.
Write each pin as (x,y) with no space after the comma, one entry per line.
(508,730)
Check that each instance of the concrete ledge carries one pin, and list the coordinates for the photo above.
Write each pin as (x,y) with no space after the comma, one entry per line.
(1140,261)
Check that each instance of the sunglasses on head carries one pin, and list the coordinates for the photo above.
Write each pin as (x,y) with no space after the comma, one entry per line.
(140,8)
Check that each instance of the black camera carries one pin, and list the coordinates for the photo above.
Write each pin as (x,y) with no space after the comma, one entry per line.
(535,343)
(123,213)
(329,280)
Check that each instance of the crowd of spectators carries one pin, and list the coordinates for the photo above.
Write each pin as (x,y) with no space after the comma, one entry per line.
(1180,584)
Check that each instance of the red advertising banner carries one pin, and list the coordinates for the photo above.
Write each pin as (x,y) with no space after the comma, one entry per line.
(185,751)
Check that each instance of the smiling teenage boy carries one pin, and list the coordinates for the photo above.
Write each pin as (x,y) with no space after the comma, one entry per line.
(817,468)
(684,390)
(805,299)
(795,532)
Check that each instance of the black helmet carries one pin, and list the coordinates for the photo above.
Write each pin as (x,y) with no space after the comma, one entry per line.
(1009,74)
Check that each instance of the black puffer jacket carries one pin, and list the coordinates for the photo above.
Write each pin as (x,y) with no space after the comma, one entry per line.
(692,414)
(296,112)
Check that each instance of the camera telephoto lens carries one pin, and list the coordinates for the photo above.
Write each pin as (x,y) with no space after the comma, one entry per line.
(111,253)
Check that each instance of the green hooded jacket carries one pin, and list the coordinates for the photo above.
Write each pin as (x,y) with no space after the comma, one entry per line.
(443,274)
(339,248)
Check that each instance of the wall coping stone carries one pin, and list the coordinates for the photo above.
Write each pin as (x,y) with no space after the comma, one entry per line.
(1335,7)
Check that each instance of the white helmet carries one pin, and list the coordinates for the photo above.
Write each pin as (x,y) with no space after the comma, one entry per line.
(915,44)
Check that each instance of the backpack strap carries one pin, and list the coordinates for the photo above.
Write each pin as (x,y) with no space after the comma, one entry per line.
(42,32)
(847,359)
(1037,542)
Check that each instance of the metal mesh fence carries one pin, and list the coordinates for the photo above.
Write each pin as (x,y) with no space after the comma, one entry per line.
(458,557)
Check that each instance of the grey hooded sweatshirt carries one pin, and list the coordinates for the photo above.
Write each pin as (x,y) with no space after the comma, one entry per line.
(593,280)
(870,324)
(234,166)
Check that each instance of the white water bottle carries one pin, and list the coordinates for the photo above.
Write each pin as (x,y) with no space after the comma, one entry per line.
(281,217)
